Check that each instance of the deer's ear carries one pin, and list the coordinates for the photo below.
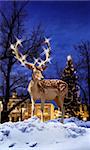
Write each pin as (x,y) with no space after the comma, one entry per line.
(44,67)
(30,66)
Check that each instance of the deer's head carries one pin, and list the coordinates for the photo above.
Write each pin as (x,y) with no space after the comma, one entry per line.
(39,65)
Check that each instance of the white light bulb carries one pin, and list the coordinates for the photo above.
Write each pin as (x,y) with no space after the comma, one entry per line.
(12,46)
(19,42)
(47,40)
(69,57)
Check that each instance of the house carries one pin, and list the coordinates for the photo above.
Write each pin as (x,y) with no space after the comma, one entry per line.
(23,111)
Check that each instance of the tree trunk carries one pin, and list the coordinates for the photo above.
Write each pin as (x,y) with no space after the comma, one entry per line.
(4,116)
(88,82)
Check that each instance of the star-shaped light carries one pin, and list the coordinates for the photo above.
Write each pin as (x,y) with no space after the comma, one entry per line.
(23,57)
(49,60)
(47,40)
(19,42)
(46,50)
(36,60)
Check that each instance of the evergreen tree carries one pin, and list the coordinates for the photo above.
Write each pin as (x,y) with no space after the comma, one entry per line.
(72,101)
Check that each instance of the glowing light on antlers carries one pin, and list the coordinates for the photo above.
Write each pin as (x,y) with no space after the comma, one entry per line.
(19,42)
(36,60)
(47,40)
(19,56)
(22,58)
(12,47)
(46,53)
(46,50)
(49,60)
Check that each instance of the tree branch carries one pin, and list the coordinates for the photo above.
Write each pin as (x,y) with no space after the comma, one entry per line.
(6,20)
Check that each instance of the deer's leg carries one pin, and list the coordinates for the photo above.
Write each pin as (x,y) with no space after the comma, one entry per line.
(33,106)
(62,108)
(42,110)
(57,101)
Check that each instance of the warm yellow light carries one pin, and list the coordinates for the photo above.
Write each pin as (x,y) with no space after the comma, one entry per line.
(26,113)
(1,106)
(23,109)
(84,119)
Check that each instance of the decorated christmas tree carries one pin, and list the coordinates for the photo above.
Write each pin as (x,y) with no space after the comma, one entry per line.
(72,100)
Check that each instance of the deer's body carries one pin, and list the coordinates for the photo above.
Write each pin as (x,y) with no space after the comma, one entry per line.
(39,88)
(47,89)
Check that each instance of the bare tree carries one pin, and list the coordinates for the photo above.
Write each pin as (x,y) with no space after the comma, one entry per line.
(83,65)
(12,25)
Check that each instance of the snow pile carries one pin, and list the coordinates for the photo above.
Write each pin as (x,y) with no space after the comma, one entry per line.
(78,122)
(32,134)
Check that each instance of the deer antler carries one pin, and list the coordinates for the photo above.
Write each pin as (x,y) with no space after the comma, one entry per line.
(17,54)
(22,58)
(46,52)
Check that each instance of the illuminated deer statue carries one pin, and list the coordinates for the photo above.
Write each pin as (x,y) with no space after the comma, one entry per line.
(40,88)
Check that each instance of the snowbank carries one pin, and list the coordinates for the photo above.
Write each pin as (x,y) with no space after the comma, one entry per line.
(32,134)
(78,122)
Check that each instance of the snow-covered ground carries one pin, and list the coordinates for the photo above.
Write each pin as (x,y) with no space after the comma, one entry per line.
(32,134)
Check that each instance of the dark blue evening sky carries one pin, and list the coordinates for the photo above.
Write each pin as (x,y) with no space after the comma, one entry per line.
(67,23)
